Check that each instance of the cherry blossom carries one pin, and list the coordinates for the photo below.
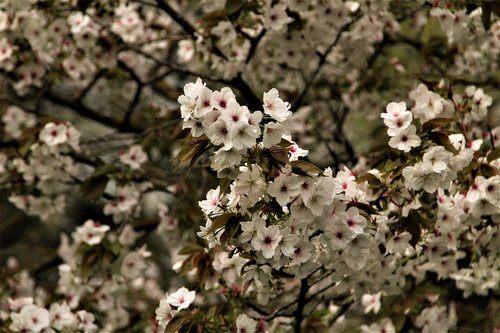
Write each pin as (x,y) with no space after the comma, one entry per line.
(181,299)
(91,232)
(134,157)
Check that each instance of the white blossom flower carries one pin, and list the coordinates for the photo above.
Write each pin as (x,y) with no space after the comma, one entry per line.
(371,302)
(267,240)
(276,17)
(91,232)
(31,318)
(78,21)
(86,321)
(181,299)
(164,313)
(438,157)
(223,98)
(185,50)
(250,182)
(284,188)
(272,134)
(406,139)
(244,324)
(54,134)
(354,220)
(133,263)
(399,243)
(134,157)
(212,205)
(275,106)
(61,316)
(225,31)
(397,118)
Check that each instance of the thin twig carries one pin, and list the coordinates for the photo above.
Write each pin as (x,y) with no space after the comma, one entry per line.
(322,60)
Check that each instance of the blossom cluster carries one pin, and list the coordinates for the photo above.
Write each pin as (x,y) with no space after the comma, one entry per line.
(232,127)
(304,224)
(290,216)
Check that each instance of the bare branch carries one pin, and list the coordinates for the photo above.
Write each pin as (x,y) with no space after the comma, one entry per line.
(322,60)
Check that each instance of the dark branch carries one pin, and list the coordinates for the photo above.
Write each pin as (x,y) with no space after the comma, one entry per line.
(322,60)
(301,303)
(163,5)
(91,114)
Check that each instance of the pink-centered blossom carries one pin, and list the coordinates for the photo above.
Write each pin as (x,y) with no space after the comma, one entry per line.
(182,298)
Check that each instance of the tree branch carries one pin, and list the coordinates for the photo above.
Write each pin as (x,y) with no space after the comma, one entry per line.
(301,303)
(163,5)
(322,60)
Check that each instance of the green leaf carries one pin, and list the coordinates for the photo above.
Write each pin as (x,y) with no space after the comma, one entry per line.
(93,187)
(192,149)
(494,154)
(177,322)
(370,178)
(488,170)
(115,247)
(233,6)
(191,249)
(224,184)
(412,223)
(220,221)
(305,168)
(104,169)
(364,207)
(436,123)
(390,165)
(279,153)
(442,139)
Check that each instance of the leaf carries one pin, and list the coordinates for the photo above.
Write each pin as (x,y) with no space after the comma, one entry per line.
(367,208)
(233,6)
(224,184)
(220,221)
(412,223)
(93,187)
(442,139)
(488,170)
(279,153)
(104,169)
(200,149)
(231,229)
(115,247)
(390,165)
(191,248)
(177,322)
(436,123)
(399,321)
(28,138)
(494,154)
(304,167)
(370,178)
(192,150)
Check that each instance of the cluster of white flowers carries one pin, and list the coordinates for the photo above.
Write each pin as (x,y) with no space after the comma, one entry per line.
(402,132)
(428,104)
(437,169)
(318,218)
(276,221)
(15,120)
(232,127)
(181,299)
(49,169)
